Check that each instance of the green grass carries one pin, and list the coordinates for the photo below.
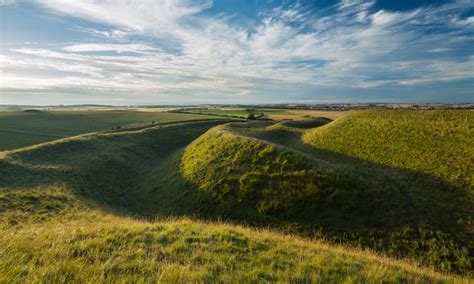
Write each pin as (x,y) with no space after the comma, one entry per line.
(238,113)
(266,174)
(85,209)
(277,112)
(115,249)
(20,129)
(12,139)
(438,143)
(128,170)
(298,114)
(305,123)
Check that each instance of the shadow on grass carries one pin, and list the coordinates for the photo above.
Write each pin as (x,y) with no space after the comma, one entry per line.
(134,173)
(395,211)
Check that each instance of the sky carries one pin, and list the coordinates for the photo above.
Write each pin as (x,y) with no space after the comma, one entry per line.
(151,52)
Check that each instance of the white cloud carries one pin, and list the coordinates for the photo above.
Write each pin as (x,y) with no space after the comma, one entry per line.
(138,15)
(110,34)
(354,46)
(136,48)
(7,2)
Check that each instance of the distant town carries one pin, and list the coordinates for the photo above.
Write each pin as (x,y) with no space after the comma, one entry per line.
(289,106)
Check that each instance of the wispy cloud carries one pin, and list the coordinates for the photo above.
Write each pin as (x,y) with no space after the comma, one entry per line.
(91,47)
(109,34)
(7,2)
(137,15)
(180,50)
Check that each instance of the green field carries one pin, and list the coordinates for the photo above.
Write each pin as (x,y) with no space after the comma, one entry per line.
(298,114)
(244,201)
(273,114)
(237,113)
(24,128)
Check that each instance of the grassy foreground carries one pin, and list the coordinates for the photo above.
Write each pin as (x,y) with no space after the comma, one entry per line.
(67,248)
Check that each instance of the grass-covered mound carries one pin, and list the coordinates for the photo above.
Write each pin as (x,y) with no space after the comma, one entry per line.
(438,143)
(239,172)
(129,171)
(75,210)
(266,174)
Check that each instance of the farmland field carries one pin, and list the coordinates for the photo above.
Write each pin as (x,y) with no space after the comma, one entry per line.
(278,114)
(273,114)
(240,113)
(25,128)
(232,200)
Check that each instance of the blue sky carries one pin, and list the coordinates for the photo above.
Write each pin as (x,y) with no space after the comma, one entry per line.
(235,51)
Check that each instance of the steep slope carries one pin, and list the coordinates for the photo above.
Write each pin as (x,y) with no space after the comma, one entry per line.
(125,170)
(266,174)
(438,143)
(70,211)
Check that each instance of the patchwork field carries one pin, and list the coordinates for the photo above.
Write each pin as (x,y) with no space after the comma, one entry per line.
(374,195)
(273,114)
(278,114)
(226,112)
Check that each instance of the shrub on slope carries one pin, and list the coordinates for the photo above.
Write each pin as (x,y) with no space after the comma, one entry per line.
(438,143)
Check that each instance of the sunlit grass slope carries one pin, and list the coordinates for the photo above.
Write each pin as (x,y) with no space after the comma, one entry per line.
(129,171)
(81,209)
(439,143)
(266,174)
(80,244)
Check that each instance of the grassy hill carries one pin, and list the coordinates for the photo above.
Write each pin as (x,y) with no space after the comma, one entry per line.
(267,174)
(149,204)
(438,143)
